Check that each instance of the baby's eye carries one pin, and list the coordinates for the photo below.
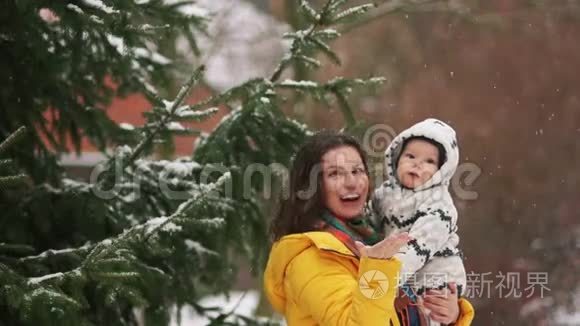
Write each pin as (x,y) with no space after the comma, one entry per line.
(410,155)
(431,161)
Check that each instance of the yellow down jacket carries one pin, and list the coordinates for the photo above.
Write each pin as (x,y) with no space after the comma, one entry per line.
(313,279)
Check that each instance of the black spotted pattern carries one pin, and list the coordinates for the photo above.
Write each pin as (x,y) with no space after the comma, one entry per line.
(426,253)
(402,224)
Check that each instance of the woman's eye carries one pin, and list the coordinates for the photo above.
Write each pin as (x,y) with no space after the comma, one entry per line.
(333,174)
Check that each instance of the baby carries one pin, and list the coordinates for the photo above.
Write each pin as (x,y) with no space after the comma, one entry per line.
(415,198)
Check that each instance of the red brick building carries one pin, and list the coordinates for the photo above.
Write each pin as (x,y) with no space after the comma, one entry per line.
(130,110)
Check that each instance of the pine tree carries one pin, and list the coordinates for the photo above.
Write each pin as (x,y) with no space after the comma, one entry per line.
(142,234)
(63,61)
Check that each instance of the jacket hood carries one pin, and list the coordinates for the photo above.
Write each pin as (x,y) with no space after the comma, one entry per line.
(433,129)
(284,251)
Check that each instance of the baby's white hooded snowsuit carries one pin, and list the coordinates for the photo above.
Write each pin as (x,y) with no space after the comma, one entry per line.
(427,212)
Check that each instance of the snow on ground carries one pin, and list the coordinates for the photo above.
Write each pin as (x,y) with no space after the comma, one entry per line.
(558,315)
(246,307)
(565,317)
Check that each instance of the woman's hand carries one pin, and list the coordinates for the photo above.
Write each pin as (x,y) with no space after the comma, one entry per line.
(384,249)
(442,304)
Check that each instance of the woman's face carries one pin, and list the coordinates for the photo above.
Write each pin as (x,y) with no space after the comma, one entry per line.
(345,182)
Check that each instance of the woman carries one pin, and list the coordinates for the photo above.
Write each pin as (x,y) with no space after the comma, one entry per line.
(327,265)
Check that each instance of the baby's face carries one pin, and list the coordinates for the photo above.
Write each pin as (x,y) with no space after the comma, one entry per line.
(417,164)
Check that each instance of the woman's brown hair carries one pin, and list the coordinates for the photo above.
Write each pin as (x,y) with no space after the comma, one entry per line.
(299,212)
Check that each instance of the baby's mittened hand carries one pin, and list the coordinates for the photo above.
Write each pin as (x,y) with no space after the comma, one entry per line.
(384,249)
